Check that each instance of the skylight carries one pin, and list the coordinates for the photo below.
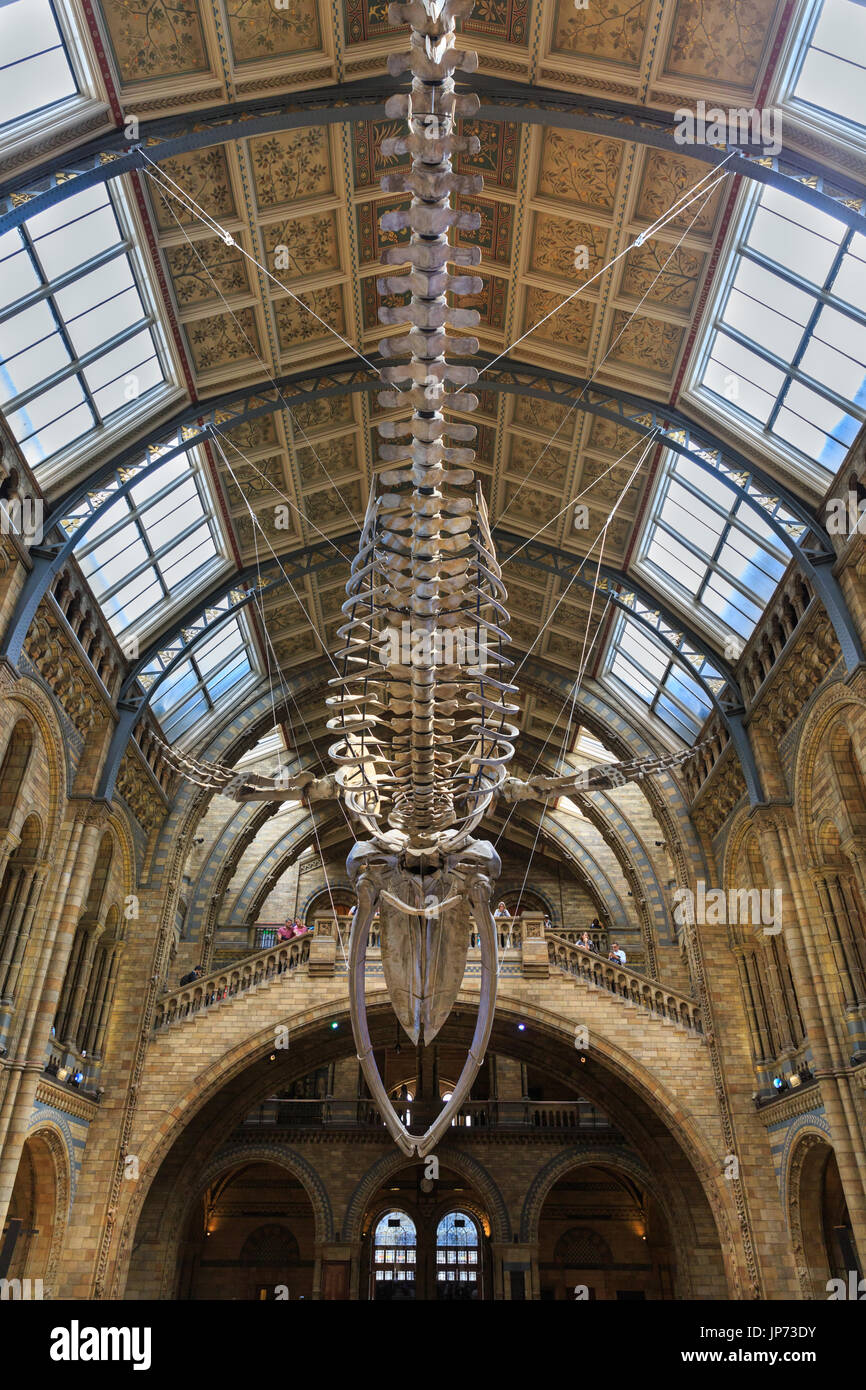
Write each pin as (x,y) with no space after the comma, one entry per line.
(217,669)
(785,355)
(269,744)
(641,666)
(713,552)
(76,341)
(157,543)
(33,62)
(832,75)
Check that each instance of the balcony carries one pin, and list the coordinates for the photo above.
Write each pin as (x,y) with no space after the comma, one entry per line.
(567,1118)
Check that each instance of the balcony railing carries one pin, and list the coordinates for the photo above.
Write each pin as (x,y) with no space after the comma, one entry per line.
(568,1115)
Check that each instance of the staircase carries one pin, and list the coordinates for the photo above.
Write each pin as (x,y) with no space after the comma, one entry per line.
(636,990)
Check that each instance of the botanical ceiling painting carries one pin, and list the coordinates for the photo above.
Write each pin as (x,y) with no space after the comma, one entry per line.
(728,39)
(151,39)
(606,29)
(258,29)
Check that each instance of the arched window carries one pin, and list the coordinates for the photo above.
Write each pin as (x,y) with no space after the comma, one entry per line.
(394,1251)
(458,1256)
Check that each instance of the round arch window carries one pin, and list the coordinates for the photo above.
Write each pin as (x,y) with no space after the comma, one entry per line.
(458,1257)
(394,1253)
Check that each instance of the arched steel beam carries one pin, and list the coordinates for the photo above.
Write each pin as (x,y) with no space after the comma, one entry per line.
(111,155)
(621,590)
(638,413)
(90,499)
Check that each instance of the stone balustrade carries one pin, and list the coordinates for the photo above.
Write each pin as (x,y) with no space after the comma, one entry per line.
(626,984)
(329,1112)
(228,982)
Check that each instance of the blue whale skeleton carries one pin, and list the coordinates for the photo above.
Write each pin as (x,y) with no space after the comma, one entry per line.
(422,707)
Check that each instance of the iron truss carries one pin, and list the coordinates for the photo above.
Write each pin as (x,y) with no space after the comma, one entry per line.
(788,517)
(116,153)
(687,648)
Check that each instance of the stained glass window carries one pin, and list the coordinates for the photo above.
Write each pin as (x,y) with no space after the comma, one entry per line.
(457,1252)
(395,1248)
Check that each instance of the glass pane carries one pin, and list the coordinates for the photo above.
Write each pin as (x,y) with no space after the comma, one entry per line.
(106,317)
(850,281)
(117,393)
(18,274)
(34,69)
(782,237)
(831,76)
(52,421)
(836,354)
(777,332)
(748,365)
(119,360)
(31,349)
(76,241)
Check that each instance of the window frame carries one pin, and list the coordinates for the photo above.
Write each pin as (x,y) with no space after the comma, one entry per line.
(619,686)
(838,129)
(690,606)
(141,631)
(190,732)
(804,473)
(71,462)
(63,120)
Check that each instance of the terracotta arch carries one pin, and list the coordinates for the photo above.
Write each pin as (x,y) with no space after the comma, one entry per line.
(687,1136)
(35,706)
(41,1196)
(175,1215)
(807,1161)
(835,703)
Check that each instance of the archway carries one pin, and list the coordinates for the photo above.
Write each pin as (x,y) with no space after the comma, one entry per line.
(250,1235)
(38,1208)
(820,1224)
(603,1236)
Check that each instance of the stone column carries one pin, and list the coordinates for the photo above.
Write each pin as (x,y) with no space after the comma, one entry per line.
(760,1043)
(827,887)
(12,909)
(36,1012)
(822,1025)
(107,1001)
(8,844)
(784,1038)
(82,979)
(9,985)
